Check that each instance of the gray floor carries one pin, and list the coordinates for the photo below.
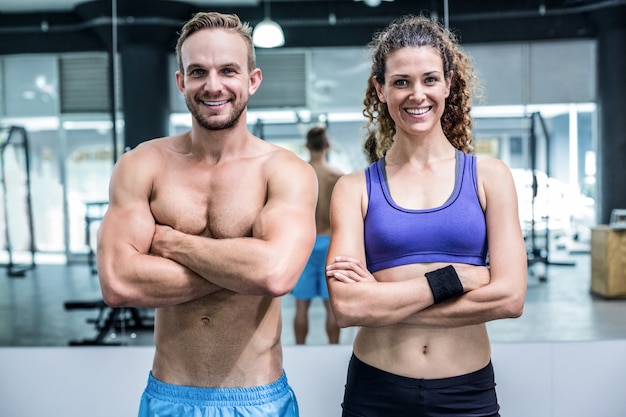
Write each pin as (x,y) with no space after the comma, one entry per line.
(561,308)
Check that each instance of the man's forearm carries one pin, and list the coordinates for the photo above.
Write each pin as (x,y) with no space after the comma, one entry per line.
(238,264)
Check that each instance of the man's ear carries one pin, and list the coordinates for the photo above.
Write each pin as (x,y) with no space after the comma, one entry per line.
(180,81)
(256,76)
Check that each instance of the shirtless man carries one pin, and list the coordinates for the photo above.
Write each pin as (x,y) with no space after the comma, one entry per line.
(312,283)
(210,227)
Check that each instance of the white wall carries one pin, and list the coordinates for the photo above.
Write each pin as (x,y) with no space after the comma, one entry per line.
(534,379)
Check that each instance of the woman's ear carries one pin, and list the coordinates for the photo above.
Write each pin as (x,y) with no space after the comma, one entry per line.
(448,82)
(379,90)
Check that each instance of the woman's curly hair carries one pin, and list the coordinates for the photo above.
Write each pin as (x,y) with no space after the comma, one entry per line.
(417,31)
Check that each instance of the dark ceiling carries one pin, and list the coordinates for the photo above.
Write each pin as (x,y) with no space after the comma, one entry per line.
(88,26)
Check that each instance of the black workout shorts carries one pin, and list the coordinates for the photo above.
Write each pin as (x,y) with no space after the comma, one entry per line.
(371,392)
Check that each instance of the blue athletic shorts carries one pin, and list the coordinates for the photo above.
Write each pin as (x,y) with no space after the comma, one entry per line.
(312,282)
(160,399)
(373,392)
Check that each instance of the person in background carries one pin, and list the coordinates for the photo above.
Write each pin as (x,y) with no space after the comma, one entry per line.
(312,283)
(211,227)
(411,235)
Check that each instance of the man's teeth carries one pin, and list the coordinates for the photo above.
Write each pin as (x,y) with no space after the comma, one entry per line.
(215,103)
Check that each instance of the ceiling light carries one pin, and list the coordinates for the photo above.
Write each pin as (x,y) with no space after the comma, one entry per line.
(373,3)
(268,33)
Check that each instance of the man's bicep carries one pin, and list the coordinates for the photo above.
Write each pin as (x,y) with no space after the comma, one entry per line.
(127,229)
(128,224)
(124,237)
(287,221)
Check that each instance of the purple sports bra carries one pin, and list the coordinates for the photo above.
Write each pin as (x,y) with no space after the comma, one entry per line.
(453,232)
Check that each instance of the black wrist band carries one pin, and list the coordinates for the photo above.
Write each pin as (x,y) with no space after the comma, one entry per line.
(444,283)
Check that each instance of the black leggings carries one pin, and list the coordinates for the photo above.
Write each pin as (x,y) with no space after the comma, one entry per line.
(371,392)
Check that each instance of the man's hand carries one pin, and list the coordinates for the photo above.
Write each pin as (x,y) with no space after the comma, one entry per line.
(160,240)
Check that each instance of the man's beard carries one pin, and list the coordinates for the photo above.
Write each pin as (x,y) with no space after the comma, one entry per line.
(227,123)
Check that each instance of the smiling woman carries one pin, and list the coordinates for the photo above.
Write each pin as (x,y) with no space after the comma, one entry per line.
(411,234)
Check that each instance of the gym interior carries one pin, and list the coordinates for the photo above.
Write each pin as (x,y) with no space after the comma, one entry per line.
(82,81)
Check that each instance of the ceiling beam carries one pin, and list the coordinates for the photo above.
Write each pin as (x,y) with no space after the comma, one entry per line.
(306,23)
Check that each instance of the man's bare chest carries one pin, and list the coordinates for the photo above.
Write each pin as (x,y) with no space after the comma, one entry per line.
(209,203)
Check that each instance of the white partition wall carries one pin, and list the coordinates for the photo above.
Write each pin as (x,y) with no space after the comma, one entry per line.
(534,379)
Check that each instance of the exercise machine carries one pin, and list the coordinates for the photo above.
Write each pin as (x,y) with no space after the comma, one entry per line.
(539,254)
(111,322)
(14,139)
(94,212)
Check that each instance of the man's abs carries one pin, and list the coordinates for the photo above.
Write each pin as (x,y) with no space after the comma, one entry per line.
(222,340)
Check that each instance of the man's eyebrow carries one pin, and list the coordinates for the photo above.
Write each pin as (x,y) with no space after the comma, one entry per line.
(231,65)
(193,66)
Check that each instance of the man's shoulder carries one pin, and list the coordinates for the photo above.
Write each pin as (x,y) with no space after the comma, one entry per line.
(152,147)
(280,155)
(336,172)
(284,163)
(147,158)
(330,172)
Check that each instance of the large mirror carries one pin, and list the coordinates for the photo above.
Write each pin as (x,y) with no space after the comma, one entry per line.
(57,301)
(55,174)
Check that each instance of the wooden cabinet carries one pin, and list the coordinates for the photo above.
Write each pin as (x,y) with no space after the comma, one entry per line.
(608,261)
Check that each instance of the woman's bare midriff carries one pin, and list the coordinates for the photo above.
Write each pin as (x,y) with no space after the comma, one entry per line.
(422,352)
(222,340)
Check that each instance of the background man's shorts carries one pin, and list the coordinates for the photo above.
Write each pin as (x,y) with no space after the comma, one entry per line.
(312,282)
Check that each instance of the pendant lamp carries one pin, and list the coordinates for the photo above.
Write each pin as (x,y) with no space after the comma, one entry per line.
(268,33)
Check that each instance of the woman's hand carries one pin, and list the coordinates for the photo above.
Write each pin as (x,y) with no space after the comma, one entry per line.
(472,276)
(348,270)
